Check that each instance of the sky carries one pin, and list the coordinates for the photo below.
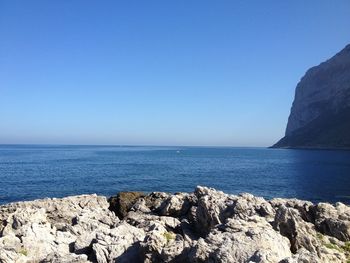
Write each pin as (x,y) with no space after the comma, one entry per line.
(184,72)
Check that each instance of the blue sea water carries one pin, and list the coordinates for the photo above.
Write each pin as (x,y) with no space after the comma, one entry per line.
(30,171)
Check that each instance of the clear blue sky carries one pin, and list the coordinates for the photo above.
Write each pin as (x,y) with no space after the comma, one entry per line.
(159,72)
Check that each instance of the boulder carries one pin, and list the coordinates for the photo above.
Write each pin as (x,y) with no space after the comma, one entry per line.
(300,233)
(117,244)
(123,201)
(306,209)
(252,240)
(212,208)
(176,205)
(333,220)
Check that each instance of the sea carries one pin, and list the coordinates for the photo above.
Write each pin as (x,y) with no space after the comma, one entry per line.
(29,172)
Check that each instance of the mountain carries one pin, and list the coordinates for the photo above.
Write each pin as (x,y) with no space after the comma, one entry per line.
(320,114)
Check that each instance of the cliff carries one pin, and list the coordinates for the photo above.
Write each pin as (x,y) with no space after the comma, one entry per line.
(203,226)
(320,114)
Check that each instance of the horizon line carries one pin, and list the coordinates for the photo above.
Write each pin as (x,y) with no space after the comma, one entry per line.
(128,145)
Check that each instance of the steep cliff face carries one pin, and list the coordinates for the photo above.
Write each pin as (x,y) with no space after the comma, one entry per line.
(320,115)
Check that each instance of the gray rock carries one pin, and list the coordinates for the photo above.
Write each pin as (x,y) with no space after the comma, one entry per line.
(301,234)
(333,221)
(204,226)
(323,85)
(242,241)
(176,205)
(46,230)
(306,209)
(321,109)
(112,244)
(212,208)
(155,200)
(123,202)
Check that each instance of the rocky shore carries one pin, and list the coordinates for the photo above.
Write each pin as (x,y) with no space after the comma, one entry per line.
(203,226)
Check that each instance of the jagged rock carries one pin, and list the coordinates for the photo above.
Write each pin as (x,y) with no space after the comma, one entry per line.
(70,258)
(155,200)
(176,205)
(61,212)
(156,238)
(211,209)
(306,209)
(248,205)
(301,234)
(141,206)
(323,256)
(175,250)
(49,228)
(111,245)
(242,241)
(122,203)
(204,226)
(302,256)
(10,256)
(145,221)
(214,207)
(333,221)
(162,245)
(83,243)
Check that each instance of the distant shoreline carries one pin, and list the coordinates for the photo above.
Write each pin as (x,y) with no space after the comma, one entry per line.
(315,148)
(181,146)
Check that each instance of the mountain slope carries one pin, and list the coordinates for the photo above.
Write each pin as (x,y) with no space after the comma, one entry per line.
(320,115)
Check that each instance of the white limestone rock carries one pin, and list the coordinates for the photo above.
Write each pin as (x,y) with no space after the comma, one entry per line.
(204,226)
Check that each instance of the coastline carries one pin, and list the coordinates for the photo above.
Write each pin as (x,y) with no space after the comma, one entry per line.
(204,226)
(323,148)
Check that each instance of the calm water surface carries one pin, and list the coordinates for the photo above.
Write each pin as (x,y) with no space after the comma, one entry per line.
(30,172)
